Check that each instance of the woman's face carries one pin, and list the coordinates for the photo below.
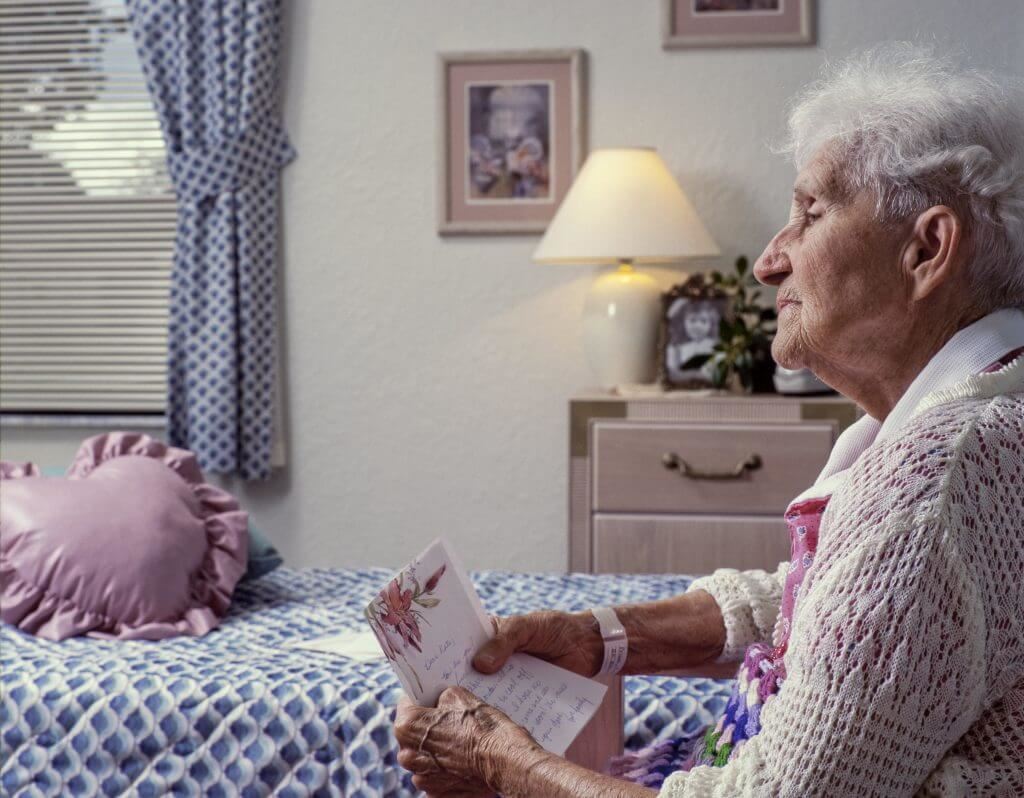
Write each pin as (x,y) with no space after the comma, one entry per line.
(841,293)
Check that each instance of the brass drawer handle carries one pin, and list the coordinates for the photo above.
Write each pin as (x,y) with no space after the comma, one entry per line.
(673,462)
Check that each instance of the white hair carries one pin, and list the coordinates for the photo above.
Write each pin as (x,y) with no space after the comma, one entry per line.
(918,130)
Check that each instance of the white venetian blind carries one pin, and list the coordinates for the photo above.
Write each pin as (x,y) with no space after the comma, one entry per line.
(87,214)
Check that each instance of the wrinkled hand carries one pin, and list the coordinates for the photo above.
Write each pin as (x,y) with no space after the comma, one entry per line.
(571,640)
(461,747)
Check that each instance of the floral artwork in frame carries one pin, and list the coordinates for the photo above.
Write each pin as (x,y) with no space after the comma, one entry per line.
(511,138)
(718,23)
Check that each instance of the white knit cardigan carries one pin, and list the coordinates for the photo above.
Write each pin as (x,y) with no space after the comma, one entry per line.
(905,668)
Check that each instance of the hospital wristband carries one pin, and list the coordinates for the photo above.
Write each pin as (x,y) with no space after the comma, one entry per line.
(615,643)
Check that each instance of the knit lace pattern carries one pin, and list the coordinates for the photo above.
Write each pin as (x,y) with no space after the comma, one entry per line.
(905,663)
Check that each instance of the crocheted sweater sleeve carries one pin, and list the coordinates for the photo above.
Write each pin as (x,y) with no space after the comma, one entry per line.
(908,629)
(880,681)
(749,601)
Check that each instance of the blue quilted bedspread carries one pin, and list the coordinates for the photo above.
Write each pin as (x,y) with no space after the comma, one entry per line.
(239,713)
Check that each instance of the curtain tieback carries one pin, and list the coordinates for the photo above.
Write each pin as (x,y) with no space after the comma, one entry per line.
(227,165)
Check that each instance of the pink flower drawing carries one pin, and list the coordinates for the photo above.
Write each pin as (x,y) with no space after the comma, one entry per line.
(395,615)
(399,614)
(434,579)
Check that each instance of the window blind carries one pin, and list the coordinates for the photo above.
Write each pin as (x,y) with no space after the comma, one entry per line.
(87,214)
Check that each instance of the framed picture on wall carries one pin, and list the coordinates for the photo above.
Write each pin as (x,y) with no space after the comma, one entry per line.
(716,23)
(511,138)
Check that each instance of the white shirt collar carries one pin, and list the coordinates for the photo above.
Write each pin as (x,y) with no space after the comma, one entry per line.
(968,352)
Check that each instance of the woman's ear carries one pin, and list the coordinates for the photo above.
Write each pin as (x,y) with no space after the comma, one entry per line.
(932,256)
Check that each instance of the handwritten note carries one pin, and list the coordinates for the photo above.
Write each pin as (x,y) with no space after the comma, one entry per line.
(552,703)
(429,622)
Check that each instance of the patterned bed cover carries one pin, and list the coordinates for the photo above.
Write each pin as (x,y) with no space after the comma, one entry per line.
(239,713)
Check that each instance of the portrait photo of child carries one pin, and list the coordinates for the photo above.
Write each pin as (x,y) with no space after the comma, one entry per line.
(690,331)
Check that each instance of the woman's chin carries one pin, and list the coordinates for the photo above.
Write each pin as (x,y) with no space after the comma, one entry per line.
(786,352)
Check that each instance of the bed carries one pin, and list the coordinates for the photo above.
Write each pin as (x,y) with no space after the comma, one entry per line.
(240,713)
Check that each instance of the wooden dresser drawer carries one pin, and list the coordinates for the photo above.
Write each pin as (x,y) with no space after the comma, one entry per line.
(629,474)
(687,544)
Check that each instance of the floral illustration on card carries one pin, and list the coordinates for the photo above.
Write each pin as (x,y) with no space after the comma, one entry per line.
(396,613)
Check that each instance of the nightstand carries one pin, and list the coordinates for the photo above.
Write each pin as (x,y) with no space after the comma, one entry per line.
(677,483)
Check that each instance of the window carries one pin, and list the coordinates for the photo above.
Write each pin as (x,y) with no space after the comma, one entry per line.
(87,214)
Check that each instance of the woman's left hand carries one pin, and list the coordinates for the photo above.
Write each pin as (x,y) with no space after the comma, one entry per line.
(461,747)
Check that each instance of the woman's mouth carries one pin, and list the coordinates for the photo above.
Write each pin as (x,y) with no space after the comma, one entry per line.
(782,304)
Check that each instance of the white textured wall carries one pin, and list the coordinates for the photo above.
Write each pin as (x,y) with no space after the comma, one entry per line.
(427,378)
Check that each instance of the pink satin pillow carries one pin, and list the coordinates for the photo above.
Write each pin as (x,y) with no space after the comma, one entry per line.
(131,544)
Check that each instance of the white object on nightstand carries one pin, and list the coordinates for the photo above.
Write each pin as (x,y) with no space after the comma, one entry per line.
(624,208)
(798,381)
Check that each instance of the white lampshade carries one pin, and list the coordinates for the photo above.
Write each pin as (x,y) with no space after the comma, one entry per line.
(625,205)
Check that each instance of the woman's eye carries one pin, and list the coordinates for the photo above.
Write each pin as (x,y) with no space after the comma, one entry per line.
(811,217)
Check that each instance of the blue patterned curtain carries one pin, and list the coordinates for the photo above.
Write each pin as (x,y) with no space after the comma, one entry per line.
(212,69)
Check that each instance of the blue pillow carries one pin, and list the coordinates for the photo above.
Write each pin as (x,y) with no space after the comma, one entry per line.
(263,557)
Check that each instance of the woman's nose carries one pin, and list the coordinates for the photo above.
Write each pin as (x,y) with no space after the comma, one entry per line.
(773,265)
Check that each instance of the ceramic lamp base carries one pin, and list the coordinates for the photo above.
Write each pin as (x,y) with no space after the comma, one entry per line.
(620,327)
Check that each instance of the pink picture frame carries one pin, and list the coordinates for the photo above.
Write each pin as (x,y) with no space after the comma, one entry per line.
(511,138)
(722,23)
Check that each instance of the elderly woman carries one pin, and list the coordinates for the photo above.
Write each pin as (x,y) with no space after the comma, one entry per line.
(887,658)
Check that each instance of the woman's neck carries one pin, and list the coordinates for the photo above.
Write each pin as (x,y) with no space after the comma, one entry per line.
(878,384)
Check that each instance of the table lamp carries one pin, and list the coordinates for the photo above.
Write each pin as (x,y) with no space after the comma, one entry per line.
(624,208)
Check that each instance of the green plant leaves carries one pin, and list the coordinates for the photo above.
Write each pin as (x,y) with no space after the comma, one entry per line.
(745,339)
(427,602)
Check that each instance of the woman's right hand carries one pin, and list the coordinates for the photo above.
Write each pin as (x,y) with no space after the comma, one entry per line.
(571,640)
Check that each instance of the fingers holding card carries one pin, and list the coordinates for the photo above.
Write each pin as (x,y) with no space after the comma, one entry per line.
(429,622)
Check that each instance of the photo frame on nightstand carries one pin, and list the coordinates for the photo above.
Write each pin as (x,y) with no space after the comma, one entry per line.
(691,316)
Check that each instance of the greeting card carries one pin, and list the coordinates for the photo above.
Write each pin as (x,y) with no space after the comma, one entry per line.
(429,622)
